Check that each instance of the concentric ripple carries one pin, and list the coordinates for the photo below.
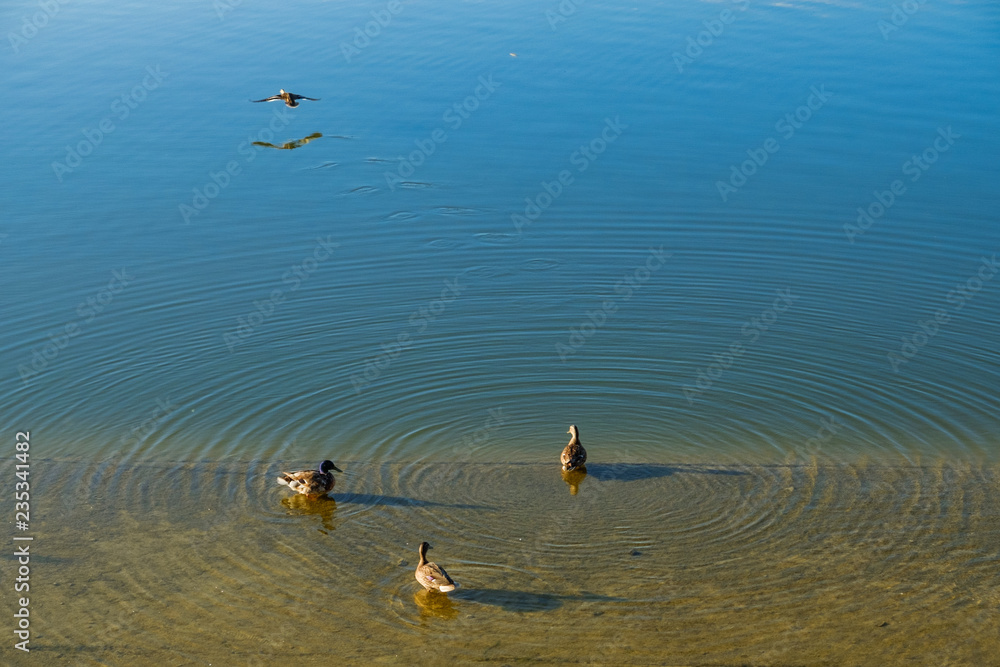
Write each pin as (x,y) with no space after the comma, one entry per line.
(216,560)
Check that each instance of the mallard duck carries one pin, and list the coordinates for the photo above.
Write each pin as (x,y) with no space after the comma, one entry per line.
(290,99)
(574,455)
(312,483)
(431,575)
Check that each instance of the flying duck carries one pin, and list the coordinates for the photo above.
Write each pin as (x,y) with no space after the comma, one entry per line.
(290,99)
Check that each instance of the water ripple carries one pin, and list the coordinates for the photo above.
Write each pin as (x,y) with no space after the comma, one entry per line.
(700,545)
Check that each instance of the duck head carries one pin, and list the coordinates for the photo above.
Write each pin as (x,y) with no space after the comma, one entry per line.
(327,466)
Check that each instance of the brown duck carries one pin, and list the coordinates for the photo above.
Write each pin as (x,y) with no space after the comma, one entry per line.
(574,455)
(290,99)
(312,483)
(431,575)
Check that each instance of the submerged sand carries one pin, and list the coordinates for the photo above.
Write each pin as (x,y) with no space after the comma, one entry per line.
(198,563)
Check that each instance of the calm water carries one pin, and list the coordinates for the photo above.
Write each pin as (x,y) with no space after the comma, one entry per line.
(750,249)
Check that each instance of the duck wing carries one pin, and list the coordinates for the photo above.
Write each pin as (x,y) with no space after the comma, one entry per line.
(573,456)
(303,97)
(272,98)
(307,482)
(434,576)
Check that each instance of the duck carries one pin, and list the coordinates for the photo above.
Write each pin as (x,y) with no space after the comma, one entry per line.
(574,455)
(290,99)
(431,575)
(312,483)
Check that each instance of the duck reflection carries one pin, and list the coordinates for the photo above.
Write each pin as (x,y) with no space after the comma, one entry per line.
(434,604)
(573,479)
(324,507)
(291,144)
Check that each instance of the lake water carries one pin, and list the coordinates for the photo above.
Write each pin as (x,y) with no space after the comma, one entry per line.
(750,249)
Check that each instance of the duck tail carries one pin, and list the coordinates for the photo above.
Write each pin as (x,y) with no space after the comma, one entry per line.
(282,480)
(447,588)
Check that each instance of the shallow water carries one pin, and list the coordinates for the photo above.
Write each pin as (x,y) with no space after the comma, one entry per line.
(693,564)
(790,415)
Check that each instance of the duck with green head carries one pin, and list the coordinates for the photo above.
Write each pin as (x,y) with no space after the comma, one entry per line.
(312,483)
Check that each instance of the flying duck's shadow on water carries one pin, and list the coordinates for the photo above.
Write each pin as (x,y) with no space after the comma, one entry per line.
(629,472)
(525,601)
(290,145)
(398,501)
